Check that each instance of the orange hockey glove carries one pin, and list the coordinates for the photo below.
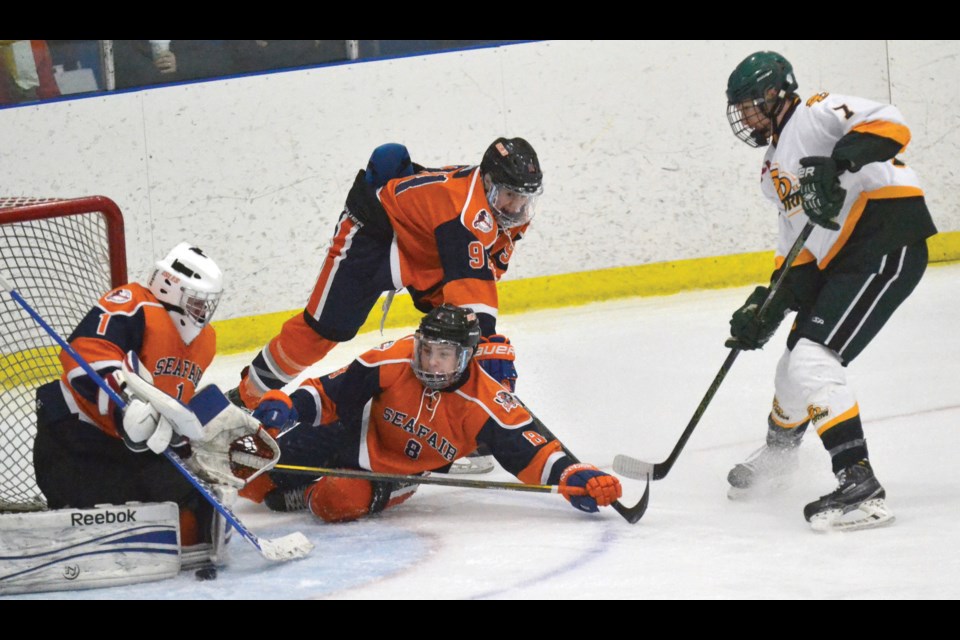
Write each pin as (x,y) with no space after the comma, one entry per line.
(586,487)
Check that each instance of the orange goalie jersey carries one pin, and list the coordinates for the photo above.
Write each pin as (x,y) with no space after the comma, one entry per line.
(129,318)
(449,246)
(387,421)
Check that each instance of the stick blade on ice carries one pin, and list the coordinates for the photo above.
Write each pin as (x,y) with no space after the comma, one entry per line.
(289,547)
(632,468)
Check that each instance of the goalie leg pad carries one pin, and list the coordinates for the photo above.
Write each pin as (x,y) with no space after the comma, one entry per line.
(106,546)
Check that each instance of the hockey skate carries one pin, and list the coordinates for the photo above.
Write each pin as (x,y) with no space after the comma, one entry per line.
(858,503)
(480,461)
(286,500)
(766,470)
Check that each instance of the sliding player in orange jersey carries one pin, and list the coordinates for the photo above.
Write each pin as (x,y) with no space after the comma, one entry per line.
(409,407)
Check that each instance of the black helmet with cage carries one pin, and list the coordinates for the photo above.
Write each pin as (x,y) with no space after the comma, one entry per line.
(513,180)
(447,329)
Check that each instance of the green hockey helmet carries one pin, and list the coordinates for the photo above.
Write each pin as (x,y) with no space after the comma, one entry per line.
(756,90)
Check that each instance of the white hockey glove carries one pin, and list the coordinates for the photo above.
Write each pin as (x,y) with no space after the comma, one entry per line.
(144,428)
(232,448)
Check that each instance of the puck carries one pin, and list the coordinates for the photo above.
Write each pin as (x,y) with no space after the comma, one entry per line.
(206,573)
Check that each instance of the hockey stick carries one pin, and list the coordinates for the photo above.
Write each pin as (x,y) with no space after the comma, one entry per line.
(638,469)
(446,481)
(291,546)
(630,514)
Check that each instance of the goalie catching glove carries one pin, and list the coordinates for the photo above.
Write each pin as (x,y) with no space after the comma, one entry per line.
(233,448)
(588,488)
(495,355)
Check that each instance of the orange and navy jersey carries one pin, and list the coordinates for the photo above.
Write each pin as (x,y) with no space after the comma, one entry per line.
(129,318)
(396,425)
(445,233)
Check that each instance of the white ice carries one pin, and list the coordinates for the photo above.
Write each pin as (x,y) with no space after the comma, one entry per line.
(626,377)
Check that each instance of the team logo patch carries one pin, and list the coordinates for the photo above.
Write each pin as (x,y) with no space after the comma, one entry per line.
(817,414)
(483,222)
(120,296)
(506,400)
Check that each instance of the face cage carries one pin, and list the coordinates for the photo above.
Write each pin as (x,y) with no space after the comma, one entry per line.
(439,379)
(510,219)
(737,119)
(199,306)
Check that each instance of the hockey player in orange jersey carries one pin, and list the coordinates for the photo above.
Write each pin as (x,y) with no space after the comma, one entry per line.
(409,407)
(87,450)
(446,235)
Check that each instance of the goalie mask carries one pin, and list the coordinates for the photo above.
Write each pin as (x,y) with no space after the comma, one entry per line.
(189,285)
(512,180)
(444,344)
(756,91)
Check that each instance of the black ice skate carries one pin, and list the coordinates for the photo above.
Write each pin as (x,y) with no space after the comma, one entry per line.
(858,503)
(286,499)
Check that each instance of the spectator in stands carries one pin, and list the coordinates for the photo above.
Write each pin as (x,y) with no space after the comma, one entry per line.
(139,63)
(26,72)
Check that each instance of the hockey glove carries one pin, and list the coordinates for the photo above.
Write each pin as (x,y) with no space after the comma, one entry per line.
(820,187)
(748,330)
(232,448)
(496,355)
(144,428)
(276,410)
(588,488)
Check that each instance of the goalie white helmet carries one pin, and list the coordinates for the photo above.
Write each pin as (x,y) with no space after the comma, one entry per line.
(189,285)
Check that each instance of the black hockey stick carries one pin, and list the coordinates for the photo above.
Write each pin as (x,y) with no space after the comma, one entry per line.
(638,469)
(630,514)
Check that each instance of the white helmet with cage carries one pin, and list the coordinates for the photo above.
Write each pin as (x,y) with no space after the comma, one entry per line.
(189,285)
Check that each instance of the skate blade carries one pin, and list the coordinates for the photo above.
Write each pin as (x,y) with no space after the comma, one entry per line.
(474,465)
(868,515)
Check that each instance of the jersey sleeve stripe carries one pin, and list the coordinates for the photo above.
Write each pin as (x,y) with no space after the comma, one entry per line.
(886,129)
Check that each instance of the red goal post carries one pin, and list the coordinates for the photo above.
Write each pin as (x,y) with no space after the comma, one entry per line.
(61,255)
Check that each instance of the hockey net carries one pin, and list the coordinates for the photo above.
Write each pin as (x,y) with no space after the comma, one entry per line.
(61,255)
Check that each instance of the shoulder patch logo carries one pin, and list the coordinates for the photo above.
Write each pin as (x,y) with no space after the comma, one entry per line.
(483,221)
(506,400)
(120,296)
